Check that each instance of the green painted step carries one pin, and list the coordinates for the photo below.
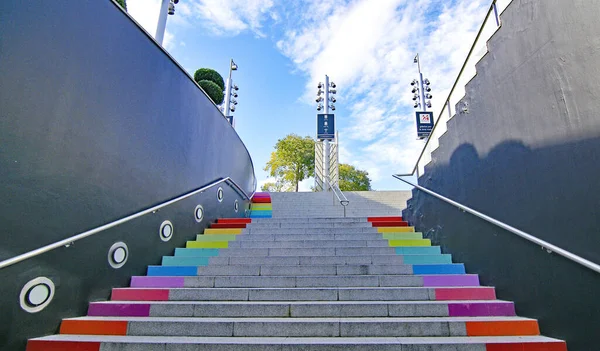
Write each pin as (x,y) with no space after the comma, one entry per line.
(207,244)
(402,236)
(414,242)
(216,237)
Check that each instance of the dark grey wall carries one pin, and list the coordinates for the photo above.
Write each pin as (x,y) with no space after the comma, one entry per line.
(97,122)
(527,153)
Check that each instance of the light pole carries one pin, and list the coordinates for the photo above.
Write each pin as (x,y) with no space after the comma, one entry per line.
(421,89)
(329,89)
(167,7)
(229,93)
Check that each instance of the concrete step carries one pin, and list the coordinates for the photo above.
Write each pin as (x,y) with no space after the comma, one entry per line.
(299,237)
(310,244)
(411,250)
(343,251)
(474,308)
(328,224)
(172,343)
(285,231)
(193,281)
(303,327)
(305,270)
(310,220)
(310,260)
(304,294)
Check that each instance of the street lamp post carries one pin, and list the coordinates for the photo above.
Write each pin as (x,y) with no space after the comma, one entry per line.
(167,7)
(329,88)
(229,94)
(421,92)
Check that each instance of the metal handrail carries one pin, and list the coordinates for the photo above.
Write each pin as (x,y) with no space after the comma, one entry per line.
(74,238)
(447,102)
(544,244)
(339,194)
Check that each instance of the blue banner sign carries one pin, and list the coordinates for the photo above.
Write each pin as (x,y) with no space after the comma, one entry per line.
(325,127)
(424,124)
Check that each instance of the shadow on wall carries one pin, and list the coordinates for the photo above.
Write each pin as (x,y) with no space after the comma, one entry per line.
(552,193)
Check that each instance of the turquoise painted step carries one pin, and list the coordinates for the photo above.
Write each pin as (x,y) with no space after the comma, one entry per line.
(261,213)
(196,252)
(185,261)
(418,250)
(427,259)
(157,271)
(455,268)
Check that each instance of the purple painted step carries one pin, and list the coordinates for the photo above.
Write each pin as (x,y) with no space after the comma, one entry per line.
(451,280)
(157,282)
(486,309)
(99,309)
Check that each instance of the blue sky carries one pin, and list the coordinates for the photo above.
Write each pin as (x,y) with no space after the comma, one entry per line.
(284,48)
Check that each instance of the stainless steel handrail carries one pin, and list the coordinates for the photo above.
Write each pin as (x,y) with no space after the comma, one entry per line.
(447,103)
(340,195)
(74,238)
(544,244)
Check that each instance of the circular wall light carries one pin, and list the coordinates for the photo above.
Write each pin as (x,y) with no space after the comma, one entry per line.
(166,231)
(118,255)
(236,205)
(199,213)
(220,194)
(36,294)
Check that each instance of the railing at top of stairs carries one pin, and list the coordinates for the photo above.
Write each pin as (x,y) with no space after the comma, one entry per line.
(70,240)
(340,195)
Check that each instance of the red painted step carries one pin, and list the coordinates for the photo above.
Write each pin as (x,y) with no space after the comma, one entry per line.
(261,200)
(235,220)
(44,345)
(390,224)
(228,225)
(528,346)
(384,219)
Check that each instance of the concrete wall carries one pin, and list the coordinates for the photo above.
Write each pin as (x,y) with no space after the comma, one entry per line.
(527,153)
(96,123)
(320,204)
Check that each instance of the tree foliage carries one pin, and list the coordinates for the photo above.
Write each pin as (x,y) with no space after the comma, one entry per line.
(292,161)
(212,83)
(353,179)
(274,187)
(213,91)
(123,4)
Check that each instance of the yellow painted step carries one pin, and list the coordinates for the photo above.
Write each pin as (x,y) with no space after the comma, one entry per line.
(403,236)
(396,229)
(262,207)
(415,242)
(216,237)
(223,231)
(207,244)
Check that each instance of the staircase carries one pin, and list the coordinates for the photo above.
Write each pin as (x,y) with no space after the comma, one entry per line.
(303,284)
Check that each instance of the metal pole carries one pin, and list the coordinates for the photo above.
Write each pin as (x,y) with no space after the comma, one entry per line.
(228,92)
(326,141)
(496,14)
(422,92)
(162,21)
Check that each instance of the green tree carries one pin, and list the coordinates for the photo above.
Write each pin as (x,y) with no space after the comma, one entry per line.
(353,179)
(274,187)
(292,161)
(123,4)
(212,83)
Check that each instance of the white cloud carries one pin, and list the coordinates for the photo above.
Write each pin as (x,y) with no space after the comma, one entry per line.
(368,51)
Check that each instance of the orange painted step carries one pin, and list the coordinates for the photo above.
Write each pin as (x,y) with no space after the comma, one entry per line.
(503,328)
(86,327)
(384,219)
(390,224)
(228,225)
(44,345)
(234,220)
(533,346)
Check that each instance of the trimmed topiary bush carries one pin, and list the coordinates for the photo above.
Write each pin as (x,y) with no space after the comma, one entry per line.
(211,75)
(123,4)
(212,90)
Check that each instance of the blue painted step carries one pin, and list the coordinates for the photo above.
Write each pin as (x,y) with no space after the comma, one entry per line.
(455,268)
(418,250)
(196,252)
(427,259)
(185,261)
(158,271)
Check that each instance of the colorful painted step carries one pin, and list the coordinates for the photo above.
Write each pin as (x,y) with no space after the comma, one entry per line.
(234,220)
(236,231)
(395,229)
(228,225)
(384,219)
